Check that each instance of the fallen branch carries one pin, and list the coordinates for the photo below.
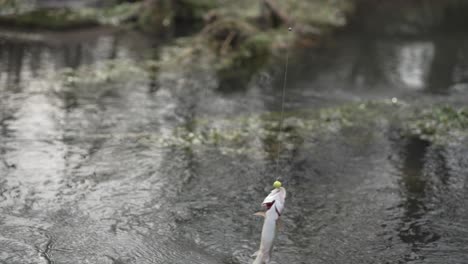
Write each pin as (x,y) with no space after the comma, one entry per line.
(277,12)
(227,42)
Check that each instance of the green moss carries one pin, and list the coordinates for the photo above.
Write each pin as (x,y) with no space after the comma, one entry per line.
(14,6)
(118,14)
(240,64)
(256,46)
(55,19)
(322,13)
(110,71)
(439,123)
(240,47)
(243,10)
(62,19)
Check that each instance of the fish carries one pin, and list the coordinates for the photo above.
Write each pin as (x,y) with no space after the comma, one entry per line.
(274,205)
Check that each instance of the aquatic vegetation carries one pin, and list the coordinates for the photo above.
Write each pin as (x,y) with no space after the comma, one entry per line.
(257,135)
(111,70)
(56,19)
(237,34)
(234,39)
(439,124)
(8,7)
(318,12)
(117,15)
(237,135)
(240,47)
(65,18)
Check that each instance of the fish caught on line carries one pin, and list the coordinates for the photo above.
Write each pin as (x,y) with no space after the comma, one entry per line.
(274,205)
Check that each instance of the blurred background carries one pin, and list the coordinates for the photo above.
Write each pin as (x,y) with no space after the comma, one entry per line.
(150,131)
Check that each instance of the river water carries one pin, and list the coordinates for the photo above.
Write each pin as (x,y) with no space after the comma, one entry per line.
(86,175)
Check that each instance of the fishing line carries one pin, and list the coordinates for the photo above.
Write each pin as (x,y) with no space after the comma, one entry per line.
(280,129)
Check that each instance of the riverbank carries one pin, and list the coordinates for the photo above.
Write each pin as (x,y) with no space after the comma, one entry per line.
(242,35)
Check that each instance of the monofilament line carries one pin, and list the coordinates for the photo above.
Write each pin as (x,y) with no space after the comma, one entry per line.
(280,127)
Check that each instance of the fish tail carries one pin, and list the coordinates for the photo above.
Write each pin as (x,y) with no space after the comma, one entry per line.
(261,258)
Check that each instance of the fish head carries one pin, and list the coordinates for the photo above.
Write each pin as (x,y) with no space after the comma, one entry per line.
(275,200)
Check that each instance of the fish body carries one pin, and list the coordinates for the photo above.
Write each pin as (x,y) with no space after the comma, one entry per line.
(274,205)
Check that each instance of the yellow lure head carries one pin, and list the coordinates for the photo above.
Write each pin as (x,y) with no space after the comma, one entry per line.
(277,184)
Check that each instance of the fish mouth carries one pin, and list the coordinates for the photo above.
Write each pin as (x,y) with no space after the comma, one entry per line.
(268,205)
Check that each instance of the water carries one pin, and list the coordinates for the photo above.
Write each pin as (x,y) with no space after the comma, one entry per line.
(86,176)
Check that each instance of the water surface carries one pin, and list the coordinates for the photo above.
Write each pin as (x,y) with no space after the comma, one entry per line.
(85,177)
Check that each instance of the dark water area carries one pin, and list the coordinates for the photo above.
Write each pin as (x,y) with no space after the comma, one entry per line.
(410,49)
(84,177)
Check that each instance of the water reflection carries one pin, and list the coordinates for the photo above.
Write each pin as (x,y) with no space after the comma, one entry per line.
(13,54)
(414,60)
(37,150)
(55,51)
(428,57)
(411,18)
(390,48)
(44,169)
(444,62)
(415,183)
(428,190)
